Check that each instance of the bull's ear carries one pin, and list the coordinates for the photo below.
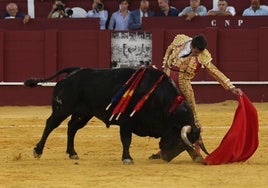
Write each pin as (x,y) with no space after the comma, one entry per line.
(194,134)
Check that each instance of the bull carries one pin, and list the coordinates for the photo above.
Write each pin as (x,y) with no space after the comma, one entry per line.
(84,93)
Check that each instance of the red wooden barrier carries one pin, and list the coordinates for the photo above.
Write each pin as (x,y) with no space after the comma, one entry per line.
(40,49)
(45,24)
(223,22)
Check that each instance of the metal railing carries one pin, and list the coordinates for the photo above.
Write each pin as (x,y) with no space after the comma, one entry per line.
(52,84)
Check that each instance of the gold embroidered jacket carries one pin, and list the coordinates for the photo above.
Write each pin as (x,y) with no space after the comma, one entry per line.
(188,66)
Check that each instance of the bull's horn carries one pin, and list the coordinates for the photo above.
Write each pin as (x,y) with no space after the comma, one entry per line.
(202,146)
(186,129)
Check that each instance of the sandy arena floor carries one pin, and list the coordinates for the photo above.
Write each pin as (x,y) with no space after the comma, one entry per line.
(99,150)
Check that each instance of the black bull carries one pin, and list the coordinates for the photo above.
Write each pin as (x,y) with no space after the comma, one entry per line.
(85,93)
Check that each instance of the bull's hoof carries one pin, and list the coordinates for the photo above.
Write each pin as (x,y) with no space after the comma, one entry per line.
(128,161)
(156,156)
(74,157)
(36,155)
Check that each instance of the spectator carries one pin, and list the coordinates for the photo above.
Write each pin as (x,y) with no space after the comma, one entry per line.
(99,12)
(256,9)
(119,19)
(12,11)
(135,20)
(166,9)
(195,9)
(59,10)
(222,10)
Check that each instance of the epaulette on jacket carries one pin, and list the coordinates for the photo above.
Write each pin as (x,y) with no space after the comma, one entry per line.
(180,39)
(205,58)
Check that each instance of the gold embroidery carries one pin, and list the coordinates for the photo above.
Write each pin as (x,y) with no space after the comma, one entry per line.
(205,58)
(219,76)
(186,68)
(173,50)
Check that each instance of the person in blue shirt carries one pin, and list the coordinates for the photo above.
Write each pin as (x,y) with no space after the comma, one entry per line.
(99,12)
(166,9)
(12,11)
(256,9)
(195,9)
(120,19)
(135,20)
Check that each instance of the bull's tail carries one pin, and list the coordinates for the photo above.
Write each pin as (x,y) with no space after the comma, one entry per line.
(32,82)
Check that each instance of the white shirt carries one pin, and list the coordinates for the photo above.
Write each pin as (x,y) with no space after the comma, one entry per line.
(187,49)
(228,9)
(262,11)
(144,15)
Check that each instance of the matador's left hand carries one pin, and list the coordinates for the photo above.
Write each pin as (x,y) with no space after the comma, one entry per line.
(237,91)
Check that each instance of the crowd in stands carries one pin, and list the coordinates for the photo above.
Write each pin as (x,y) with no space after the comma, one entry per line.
(126,19)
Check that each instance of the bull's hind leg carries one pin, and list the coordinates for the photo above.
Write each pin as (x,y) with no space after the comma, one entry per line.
(77,121)
(52,122)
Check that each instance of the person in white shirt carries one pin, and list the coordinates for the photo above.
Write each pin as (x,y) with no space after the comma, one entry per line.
(222,10)
(195,9)
(99,12)
(256,9)
(58,9)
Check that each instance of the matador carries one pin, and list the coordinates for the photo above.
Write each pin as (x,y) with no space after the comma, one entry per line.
(183,58)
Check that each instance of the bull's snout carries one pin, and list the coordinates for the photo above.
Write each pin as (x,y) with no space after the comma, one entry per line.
(168,155)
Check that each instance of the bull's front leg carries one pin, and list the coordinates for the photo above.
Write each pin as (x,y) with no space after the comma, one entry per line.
(126,137)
